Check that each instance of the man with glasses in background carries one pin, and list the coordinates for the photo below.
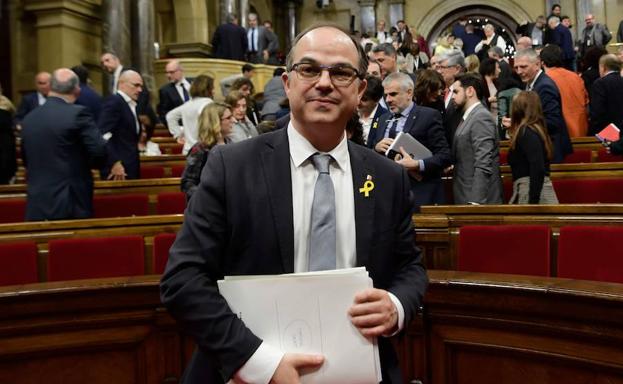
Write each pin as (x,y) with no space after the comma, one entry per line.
(299,199)
(175,92)
(450,66)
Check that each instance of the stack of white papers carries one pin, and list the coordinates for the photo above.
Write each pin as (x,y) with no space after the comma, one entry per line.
(308,313)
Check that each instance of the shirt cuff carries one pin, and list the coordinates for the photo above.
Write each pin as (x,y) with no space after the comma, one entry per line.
(422,167)
(401,313)
(261,366)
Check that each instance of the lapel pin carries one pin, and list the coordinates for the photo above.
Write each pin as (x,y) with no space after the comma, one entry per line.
(367,186)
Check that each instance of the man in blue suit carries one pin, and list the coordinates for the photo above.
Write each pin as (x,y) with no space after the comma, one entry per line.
(34,99)
(425,125)
(528,67)
(60,145)
(88,97)
(370,110)
(120,126)
(561,36)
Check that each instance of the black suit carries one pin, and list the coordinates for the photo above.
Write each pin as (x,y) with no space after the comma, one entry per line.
(240,222)
(169,99)
(605,107)
(60,141)
(425,125)
(552,109)
(90,99)
(229,42)
(374,125)
(29,102)
(117,119)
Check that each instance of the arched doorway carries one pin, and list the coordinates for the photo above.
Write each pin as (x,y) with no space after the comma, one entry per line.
(479,15)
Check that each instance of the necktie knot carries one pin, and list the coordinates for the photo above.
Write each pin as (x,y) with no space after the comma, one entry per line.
(321,162)
(397,115)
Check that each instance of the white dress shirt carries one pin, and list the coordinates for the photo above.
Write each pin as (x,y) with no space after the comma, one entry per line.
(262,364)
(530,86)
(132,105)
(41,99)
(116,74)
(189,114)
(178,88)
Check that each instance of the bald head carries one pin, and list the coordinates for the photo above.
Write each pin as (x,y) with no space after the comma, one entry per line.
(42,82)
(524,42)
(131,83)
(174,71)
(65,84)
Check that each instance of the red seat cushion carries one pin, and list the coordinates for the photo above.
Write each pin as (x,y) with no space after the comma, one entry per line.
(517,249)
(152,172)
(589,191)
(90,258)
(18,263)
(162,244)
(177,149)
(578,156)
(171,203)
(604,157)
(503,157)
(177,170)
(507,184)
(120,205)
(591,253)
(12,210)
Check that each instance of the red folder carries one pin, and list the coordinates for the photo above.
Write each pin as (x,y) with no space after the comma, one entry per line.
(610,133)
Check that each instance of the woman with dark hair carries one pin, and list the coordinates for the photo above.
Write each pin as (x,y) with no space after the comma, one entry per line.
(243,127)
(246,87)
(214,128)
(530,152)
(429,88)
(490,71)
(201,91)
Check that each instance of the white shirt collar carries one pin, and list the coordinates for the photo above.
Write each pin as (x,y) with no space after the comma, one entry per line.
(469,110)
(127,98)
(535,79)
(183,81)
(371,115)
(301,149)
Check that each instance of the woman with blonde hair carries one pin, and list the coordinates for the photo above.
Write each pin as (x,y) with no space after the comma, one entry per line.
(530,152)
(472,63)
(214,128)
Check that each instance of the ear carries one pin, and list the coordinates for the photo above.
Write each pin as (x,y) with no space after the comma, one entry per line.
(285,78)
(362,88)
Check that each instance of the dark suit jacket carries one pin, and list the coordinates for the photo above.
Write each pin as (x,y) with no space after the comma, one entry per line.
(169,98)
(605,107)
(552,109)
(229,42)
(370,140)
(29,102)
(239,222)
(561,36)
(117,118)
(90,99)
(60,142)
(451,120)
(425,125)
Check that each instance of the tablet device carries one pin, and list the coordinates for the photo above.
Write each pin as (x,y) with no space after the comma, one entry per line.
(414,148)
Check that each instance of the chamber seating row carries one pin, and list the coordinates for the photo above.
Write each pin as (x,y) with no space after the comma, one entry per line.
(579,155)
(93,248)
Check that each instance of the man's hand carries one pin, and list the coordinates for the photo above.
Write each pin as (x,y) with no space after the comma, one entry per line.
(181,140)
(374,313)
(411,165)
(383,145)
(117,172)
(506,122)
(292,365)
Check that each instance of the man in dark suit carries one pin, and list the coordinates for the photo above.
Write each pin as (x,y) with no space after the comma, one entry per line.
(535,31)
(425,125)
(34,99)
(175,92)
(262,44)
(561,36)
(60,144)
(450,66)
(88,97)
(120,126)
(229,40)
(606,95)
(528,67)
(370,109)
(252,214)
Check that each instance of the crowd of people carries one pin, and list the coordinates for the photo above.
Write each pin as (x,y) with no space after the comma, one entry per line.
(458,110)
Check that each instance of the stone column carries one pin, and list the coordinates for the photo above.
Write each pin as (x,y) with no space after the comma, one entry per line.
(396,12)
(116,29)
(244,11)
(226,7)
(143,38)
(368,20)
(291,22)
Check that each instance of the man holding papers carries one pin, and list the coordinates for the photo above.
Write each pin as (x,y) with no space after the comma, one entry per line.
(425,125)
(299,199)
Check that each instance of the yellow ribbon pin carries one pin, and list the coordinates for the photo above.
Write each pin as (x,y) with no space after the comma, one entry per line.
(367,187)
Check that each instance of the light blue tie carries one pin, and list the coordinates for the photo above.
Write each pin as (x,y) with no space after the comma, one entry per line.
(322,246)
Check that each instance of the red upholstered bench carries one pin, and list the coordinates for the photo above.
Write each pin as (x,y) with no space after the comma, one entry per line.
(120,205)
(177,170)
(503,157)
(589,191)
(516,249)
(604,157)
(171,203)
(12,210)
(91,258)
(152,172)
(162,244)
(18,263)
(579,156)
(591,253)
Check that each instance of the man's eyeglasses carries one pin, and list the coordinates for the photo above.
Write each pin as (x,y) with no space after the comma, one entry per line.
(341,75)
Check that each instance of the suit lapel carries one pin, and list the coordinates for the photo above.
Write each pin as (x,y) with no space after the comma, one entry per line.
(410,123)
(364,206)
(175,94)
(276,167)
(129,115)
